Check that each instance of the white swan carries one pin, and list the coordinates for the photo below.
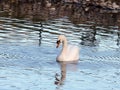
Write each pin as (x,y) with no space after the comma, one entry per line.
(68,52)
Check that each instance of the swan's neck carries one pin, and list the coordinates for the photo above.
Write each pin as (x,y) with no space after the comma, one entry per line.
(64,45)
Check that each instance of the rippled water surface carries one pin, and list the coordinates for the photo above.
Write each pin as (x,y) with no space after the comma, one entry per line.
(28,56)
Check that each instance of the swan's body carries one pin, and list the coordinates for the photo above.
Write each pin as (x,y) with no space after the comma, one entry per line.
(68,52)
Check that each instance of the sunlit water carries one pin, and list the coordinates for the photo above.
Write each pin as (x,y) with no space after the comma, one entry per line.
(28,56)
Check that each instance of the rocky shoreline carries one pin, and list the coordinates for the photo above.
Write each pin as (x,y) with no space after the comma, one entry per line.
(106,4)
(102,11)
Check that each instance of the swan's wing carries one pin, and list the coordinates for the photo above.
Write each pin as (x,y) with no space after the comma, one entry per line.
(73,52)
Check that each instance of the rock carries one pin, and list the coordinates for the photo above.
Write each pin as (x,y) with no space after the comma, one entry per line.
(115,6)
(87,9)
(48,4)
(87,0)
(52,9)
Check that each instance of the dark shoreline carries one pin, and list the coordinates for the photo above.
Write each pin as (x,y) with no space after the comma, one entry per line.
(43,10)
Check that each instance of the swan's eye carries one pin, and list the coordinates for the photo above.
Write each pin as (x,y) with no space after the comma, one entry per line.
(58,42)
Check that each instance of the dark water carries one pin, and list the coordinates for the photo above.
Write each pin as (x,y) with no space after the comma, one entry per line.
(28,56)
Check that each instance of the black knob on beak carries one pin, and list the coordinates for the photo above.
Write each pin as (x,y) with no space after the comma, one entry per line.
(58,43)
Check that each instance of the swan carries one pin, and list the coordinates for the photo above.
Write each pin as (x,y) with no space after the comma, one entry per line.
(68,52)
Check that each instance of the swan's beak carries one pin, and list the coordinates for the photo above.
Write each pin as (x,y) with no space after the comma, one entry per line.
(58,43)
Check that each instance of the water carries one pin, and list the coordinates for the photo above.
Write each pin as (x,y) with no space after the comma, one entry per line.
(28,56)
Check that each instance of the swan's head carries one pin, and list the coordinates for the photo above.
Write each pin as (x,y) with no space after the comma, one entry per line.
(61,38)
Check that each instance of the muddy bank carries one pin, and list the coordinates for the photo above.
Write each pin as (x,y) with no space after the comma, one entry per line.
(78,11)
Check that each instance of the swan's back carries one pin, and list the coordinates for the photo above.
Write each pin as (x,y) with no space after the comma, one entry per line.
(72,52)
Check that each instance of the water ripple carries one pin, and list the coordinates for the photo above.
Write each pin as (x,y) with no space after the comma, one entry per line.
(22,32)
(30,67)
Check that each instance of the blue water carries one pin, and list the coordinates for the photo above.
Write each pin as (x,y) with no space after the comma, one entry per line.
(28,56)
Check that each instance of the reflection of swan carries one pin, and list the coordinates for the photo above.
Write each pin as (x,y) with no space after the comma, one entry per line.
(64,65)
(69,52)
(59,81)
